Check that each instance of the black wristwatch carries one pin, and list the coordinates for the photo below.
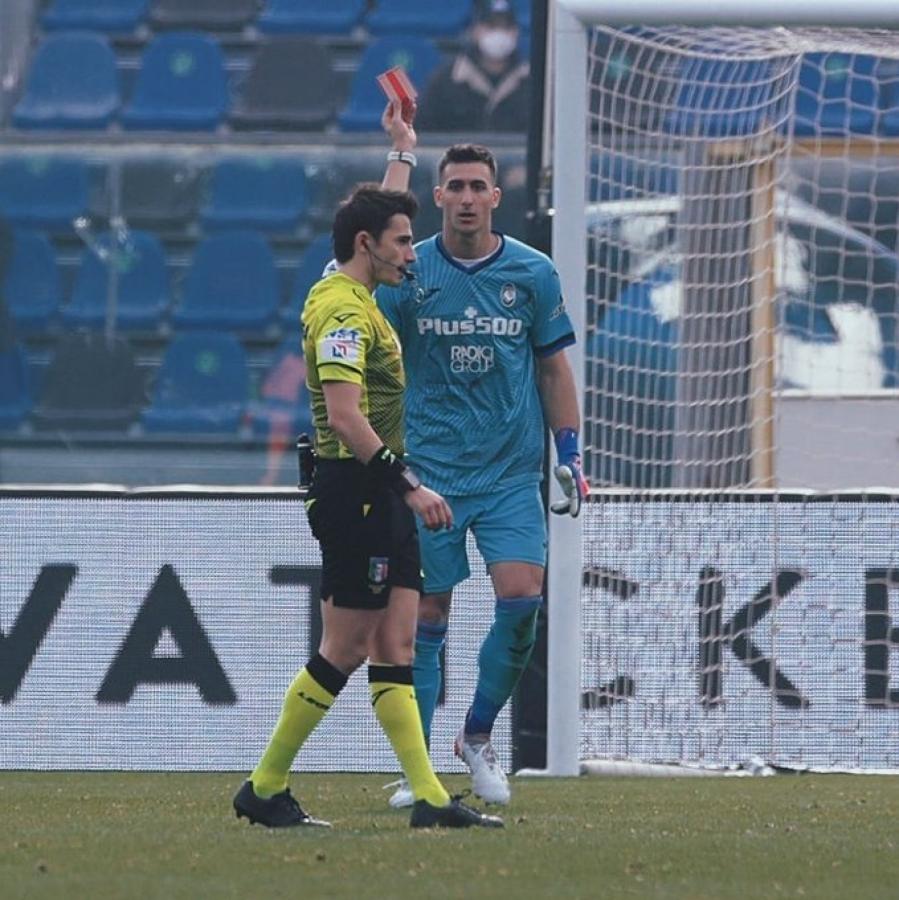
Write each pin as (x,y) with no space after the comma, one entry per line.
(392,471)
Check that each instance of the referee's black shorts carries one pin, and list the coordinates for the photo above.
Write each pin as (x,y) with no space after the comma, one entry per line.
(367,534)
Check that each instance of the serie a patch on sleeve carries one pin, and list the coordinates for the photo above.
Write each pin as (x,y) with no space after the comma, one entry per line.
(340,345)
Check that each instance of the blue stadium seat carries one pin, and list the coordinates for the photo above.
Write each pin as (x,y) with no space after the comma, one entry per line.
(311,16)
(181,85)
(202,386)
(283,403)
(730,98)
(143,287)
(418,56)
(523,14)
(40,190)
(315,258)
(96,15)
(837,95)
(72,83)
(31,286)
(445,19)
(232,283)
(257,192)
(15,388)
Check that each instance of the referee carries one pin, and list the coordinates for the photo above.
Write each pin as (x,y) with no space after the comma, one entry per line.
(361,507)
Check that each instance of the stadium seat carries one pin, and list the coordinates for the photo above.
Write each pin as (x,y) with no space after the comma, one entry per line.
(634,423)
(15,388)
(445,19)
(730,98)
(202,386)
(207,15)
(92,382)
(419,57)
(283,402)
(623,94)
(41,190)
(143,289)
(311,17)
(181,85)
(232,283)
(888,79)
(72,83)
(314,259)
(256,192)
(290,85)
(157,192)
(31,286)
(837,95)
(523,14)
(620,176)
(95,15)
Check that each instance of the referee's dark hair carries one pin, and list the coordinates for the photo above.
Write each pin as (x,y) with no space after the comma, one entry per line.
(369,208)
(467,153)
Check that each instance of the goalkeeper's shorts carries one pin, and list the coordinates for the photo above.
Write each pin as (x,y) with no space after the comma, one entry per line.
(367,536)
(508,524)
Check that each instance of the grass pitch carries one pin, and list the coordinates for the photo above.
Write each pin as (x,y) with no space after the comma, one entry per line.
(135,835)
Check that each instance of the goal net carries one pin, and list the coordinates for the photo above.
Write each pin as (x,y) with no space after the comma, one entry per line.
(732,194)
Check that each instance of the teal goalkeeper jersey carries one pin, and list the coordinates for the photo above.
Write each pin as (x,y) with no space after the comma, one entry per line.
(471,337)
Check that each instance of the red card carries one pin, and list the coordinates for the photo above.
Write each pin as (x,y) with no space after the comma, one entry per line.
(399,89)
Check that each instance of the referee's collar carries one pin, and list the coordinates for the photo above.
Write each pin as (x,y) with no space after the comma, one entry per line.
(478,266)
(356,286)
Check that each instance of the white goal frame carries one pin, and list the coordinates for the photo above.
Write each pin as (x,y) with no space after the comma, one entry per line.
(567,89)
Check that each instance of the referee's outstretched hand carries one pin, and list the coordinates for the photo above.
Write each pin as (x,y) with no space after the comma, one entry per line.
(433,510)
(399,129)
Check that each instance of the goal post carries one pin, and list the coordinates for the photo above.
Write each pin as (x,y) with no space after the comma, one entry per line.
(722,179)
(770,13)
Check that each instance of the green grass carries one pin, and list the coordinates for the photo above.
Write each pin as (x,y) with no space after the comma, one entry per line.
(135,835)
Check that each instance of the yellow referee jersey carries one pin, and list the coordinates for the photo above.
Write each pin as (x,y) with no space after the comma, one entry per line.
(346,338)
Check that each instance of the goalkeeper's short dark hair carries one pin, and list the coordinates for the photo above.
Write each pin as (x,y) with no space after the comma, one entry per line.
(368,208)
(467,153)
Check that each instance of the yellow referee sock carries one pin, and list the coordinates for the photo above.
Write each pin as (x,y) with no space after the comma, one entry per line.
(308,698)
(393,699)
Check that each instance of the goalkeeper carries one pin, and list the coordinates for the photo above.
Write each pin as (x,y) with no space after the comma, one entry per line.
(483,327)
(360,508)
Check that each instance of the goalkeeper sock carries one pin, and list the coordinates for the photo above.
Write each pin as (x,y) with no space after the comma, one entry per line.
(504,656)
(426,672)
(393,699)
(306,701)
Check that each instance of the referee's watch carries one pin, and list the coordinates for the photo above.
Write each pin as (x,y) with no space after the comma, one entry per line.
(392,471)
(410,481)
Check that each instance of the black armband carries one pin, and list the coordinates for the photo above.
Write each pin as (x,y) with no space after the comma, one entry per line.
(389,469)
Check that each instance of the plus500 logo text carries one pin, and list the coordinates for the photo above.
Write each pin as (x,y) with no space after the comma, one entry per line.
(499,325)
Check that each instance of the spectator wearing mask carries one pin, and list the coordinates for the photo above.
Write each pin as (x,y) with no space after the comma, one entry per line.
(486,86)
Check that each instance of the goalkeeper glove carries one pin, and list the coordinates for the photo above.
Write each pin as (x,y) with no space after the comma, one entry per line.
(569,474)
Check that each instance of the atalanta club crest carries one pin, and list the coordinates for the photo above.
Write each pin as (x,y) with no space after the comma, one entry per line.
(508,294)
(423,293)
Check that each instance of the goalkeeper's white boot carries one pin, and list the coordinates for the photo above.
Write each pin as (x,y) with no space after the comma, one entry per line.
(488,780)
(402,797)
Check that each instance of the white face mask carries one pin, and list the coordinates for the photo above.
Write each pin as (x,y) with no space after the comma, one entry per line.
(496,43)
